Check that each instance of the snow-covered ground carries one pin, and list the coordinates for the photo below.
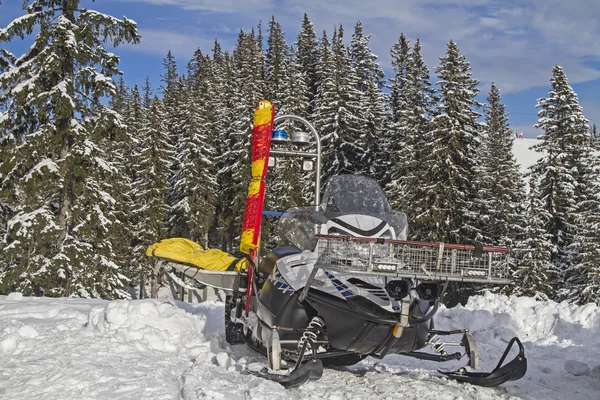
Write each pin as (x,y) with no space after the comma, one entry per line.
(166,349)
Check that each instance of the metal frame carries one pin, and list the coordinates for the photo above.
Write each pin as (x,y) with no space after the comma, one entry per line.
(409,259)
(303,154)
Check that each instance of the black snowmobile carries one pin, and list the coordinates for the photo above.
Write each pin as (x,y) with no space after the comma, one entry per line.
(353,286)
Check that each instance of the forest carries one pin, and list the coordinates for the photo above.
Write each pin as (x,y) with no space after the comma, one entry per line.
(93,170)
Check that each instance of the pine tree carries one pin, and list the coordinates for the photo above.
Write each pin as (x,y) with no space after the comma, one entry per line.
(147,94)
(194,191)
(451,162)
(501,194)
(400,59)
(242,90)
(373,116)
(297,102)
(151,185)
(566,180)
(60,176)
(398,142)
(195,68)
(596,137)
(276,63)
(118,101)
(337,110)
(408,180)
(536,275)
(308,58)
(135,115)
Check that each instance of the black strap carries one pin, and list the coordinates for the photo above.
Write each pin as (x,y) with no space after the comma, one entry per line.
(231,266)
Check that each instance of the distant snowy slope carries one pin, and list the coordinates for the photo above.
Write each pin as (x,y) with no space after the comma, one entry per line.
(524,155)
(74,349)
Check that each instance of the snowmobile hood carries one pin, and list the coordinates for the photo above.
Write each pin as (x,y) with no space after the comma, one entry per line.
(359,226)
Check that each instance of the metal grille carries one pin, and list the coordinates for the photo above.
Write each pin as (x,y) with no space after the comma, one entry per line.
(421,260)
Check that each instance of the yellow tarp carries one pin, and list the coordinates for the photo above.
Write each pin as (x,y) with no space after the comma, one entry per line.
(185,251)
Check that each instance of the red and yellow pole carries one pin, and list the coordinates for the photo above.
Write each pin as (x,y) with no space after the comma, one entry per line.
(261,145)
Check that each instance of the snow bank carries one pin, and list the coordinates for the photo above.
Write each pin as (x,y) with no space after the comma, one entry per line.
(149,324)
(164,349)
(532,320)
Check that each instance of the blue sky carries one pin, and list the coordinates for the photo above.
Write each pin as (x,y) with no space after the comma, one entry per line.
(512,43)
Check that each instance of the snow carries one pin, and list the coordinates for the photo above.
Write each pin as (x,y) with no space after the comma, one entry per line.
(577,368)
(523,153)
(45,163)
(71,348)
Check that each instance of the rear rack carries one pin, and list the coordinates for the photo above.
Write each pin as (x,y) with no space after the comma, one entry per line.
(409,259)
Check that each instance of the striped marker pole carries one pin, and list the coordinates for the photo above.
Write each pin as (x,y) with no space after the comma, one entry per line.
(261,145)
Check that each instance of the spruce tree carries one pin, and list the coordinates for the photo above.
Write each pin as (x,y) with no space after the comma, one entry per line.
(243,89)
(500,194)
(194,190)
(567,182)
(135,115)
(451,160)
(151,185)
(60,175)
(337,110)
(408,177)
(536,275)
(118,101)
(308,58)
(595,137)
(297,101)
(400,59)
(373,116)
(276,63)
(398,142)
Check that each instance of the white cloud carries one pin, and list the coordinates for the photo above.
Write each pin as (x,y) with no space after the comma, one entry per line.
(514,43)
(226,6)
(182,44)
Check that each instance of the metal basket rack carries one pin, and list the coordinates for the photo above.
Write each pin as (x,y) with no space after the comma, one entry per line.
(408,259)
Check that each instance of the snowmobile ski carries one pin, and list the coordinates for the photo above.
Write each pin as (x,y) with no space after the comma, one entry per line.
(311,370)
(511,371)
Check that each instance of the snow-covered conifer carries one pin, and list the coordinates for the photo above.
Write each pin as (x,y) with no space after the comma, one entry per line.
(567,181)
(536,274)
(415,109)
(276,63)
(58,173)
(151,185)
(337,109)
(373,124)
(451,162)
(308,58)
(500,193)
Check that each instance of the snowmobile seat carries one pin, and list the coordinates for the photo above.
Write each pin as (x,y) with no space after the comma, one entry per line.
(268,262)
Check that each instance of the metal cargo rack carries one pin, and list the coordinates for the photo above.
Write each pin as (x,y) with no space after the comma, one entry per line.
(408,259)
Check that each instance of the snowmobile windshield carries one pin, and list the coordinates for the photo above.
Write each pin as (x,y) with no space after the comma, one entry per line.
(354,194)
(344,195)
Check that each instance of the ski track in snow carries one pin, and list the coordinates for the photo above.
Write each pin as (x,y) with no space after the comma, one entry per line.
(166,349)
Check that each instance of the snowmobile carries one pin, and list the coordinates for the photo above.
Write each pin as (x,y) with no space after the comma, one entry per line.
(350,286)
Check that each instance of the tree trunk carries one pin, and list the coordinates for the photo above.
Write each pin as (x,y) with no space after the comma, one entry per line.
(63,125)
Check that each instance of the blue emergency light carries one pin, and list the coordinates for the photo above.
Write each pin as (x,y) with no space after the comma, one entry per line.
(279,137)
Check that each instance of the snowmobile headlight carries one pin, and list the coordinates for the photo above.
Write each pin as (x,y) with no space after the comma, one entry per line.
(398,289)
(428,291)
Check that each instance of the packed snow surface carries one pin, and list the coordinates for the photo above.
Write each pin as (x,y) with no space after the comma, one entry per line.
(166,349)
